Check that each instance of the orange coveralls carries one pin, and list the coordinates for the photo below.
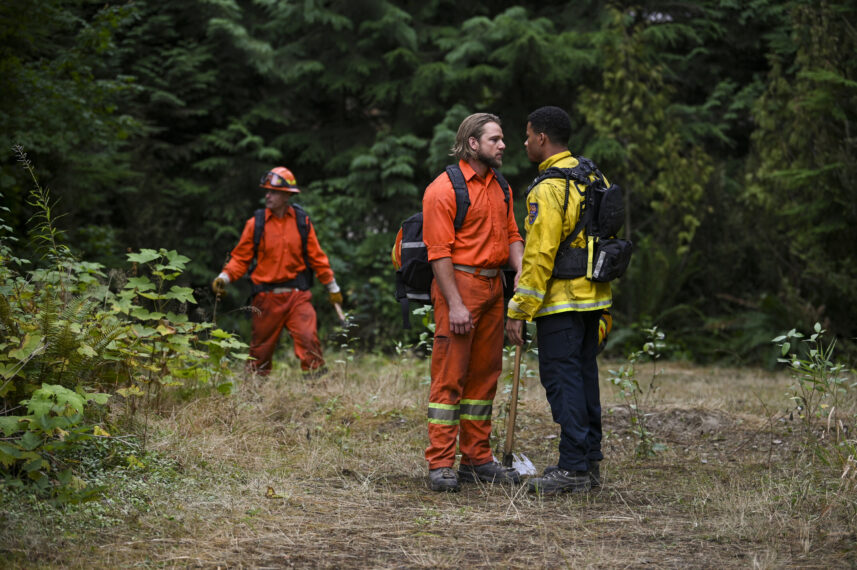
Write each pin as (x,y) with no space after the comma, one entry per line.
(465,368)
(280,259)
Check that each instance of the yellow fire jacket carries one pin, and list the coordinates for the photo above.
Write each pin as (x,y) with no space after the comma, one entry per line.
(538,294)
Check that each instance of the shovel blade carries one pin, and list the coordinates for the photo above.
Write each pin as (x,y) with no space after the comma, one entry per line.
(520,462)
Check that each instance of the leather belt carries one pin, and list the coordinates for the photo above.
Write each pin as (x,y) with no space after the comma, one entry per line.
(484,272)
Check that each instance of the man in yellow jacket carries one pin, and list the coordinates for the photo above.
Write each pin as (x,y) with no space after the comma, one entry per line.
(566,311)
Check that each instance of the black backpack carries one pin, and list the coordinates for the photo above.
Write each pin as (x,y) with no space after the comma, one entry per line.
(605,257)
(303,280)
(414,274)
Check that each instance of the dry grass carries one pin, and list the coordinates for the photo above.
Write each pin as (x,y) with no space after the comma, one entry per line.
(330,474)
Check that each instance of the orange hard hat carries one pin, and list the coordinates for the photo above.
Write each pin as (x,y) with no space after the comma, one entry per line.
(280,178)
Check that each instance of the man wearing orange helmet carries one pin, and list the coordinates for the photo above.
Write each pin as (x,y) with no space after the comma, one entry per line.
(284,244)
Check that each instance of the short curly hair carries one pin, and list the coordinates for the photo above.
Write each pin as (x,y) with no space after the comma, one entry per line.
(472,126)
(552,121)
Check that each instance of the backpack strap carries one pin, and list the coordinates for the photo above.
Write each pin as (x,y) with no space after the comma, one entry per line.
(258,230)
(579,173)
(462,196)
(304,279)
(303,230)
(504,185)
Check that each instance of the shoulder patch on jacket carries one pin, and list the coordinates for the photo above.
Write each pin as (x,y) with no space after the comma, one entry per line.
(534,211)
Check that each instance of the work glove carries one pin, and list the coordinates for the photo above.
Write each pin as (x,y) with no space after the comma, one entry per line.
(334,294)
(219,286)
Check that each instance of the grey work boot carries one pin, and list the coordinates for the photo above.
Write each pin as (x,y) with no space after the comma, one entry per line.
(561,481)
(443,479)
(594,472)
(491,472)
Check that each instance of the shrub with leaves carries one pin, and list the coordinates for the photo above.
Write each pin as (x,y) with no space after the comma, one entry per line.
(821,384)
(69,336)
(54,422)
(625,378)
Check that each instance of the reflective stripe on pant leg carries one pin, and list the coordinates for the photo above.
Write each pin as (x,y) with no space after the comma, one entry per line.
(445,414)
(476,409)
(449,361)
(484,298)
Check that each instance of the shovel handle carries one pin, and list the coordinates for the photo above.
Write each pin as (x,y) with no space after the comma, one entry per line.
(513,409)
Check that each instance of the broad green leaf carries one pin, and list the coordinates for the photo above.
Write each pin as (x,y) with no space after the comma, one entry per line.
(35,465)
(86,350)
(98,397)
(181,294)
(30,344)
(154,296)
(11,424)
(30,441)
(145,256)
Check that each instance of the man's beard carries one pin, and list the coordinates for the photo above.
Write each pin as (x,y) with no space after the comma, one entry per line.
(491,161)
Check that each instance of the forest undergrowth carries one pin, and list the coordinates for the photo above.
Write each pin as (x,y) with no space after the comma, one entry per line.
(130,437)
(330,473)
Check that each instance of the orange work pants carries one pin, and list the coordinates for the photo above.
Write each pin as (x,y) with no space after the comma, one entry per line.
(464,372)
(276,311)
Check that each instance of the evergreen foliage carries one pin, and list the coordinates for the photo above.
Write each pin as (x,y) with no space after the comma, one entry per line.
(729,125)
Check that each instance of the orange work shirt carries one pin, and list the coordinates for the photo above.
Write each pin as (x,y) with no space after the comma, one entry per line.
(280,256)
(489,227)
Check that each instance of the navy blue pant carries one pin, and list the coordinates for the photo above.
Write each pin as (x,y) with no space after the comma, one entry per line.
(568,345)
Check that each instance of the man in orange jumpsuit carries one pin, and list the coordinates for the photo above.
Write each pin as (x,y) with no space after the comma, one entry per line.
(467,293)
(281,278)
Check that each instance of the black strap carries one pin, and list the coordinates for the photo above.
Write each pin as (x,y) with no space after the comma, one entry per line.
(580,173)
(462,196)
(504,185)
(303,230)
(304,280)
(258,230)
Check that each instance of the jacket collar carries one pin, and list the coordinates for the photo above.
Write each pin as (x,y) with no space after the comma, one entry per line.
(552,160)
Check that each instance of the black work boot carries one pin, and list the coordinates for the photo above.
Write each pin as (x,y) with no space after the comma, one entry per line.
(491,472)
(443,479)
(561,481)
(594,472)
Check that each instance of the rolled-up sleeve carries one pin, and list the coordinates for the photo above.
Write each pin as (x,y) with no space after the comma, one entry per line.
(438,216)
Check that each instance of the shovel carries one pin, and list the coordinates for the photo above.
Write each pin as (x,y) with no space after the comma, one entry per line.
(517,460)
(339,312)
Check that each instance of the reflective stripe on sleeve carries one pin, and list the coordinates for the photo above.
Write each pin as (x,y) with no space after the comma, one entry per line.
(574,306)
(446,414)
(476,410)
(530,293)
